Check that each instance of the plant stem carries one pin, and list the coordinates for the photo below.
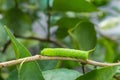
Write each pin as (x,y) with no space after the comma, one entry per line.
(35,38)
(83,68)
(6,46)
(40,57)
(48,21)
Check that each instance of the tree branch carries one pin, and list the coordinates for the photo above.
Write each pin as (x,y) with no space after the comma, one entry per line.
(35,38)
(48,21)
(43,40)
(40,57)
(6,46)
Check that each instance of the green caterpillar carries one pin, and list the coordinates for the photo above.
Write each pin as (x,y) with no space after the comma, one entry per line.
(63,52)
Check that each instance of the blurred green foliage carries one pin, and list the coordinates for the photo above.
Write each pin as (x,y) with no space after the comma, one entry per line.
(69,23)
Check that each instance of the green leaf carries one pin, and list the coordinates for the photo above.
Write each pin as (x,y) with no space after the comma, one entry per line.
(43,4)
(13,75)
(100,74)
(3,36)
(117,57)
(64,24)
(110,47)
(100,2)
(18,23)
(73,5)
(1,78)
(61,74)
(70,64)
(6,4)
(83,35)
(29,71)
(47,64)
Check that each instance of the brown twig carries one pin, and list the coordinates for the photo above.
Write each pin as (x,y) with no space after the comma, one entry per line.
(43,40)
(40,57)
(35,38)
(48,21)
(6,46)
(83,68)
